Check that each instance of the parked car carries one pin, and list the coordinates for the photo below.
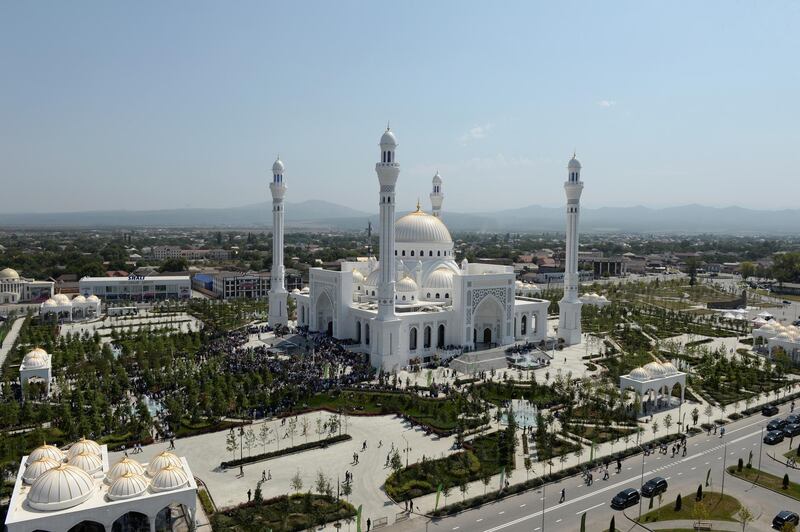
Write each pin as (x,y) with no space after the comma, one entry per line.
(769,410)
(773,437)
(792,419)
(785,517)
(625,499)
(791,430)
(654,486)
(776,424)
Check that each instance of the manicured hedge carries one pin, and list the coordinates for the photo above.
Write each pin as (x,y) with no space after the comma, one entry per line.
(287,450)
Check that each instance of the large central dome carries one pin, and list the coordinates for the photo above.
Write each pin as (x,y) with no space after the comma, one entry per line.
(421,227)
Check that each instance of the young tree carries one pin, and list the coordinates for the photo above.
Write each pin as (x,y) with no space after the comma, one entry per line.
(486,478)
(654,427)
(785,483)
(304,425)
(528,466)
(678,503)
(699,496)
(708,411)
(463,486)
(668,422)
(263,435)
(249,439)
(322,485)
(347,489)
(396,462)
(446,490)
(292,430)
(231,444)
(745,516)
(296,482)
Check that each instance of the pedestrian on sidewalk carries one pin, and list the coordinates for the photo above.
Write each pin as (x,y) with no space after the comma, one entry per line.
(563,495)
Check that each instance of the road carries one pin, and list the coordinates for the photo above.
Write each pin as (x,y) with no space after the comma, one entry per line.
(524,512)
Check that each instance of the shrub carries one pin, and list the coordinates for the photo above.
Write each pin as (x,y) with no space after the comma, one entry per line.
(740,465)
(786,481)
(699,496)
(678,503)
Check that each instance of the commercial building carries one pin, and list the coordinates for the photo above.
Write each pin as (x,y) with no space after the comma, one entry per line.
(16,289)
(137,288)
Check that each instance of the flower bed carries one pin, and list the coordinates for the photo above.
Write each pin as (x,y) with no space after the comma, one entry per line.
(287,450)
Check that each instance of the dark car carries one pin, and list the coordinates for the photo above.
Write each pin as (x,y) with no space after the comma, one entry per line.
(785,517)
(769,410)
(773,437)
(791,419)
(654,486)
(625,499)
(776,424)
(791,430)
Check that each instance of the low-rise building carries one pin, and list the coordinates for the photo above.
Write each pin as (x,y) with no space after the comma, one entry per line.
(17,289)
(137,288)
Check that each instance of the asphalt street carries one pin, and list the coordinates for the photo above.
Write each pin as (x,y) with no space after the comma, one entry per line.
(524,512)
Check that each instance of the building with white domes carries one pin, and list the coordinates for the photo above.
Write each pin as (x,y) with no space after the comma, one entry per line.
(76,491)
(17,289)
(654,384)
(414,302)
(36,366)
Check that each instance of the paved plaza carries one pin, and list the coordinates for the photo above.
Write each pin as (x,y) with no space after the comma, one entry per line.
(145,319)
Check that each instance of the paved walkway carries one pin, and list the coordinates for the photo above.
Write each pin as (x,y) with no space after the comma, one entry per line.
(11,337)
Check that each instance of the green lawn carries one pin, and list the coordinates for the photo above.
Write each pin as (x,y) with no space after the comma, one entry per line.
(720,509)
(486,456)
(497,393)
(599,434)
(769,481)
(283,514)
(440,414)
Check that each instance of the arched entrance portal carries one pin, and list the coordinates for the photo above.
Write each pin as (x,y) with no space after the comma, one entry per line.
(488,323)
(324,309)
(132,522)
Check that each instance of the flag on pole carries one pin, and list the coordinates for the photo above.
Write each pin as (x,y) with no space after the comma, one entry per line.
(358,519)
(438,492)
(502,477)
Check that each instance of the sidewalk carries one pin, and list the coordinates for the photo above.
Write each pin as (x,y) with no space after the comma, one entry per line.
(11,337)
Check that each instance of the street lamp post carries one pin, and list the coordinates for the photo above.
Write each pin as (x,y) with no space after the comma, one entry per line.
(406,449)
(760,447)
(641,483)
(724,460)
(543,503)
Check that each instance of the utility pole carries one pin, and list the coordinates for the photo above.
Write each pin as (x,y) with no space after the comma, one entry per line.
(760,447)
(724,460)
(543,503)
(641,483)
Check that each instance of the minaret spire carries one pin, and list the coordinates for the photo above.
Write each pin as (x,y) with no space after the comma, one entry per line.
(437,197)
(569,308)
(278,313)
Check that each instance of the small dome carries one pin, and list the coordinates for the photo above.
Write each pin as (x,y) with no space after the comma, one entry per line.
(669,368)
(373,278)
(162,460)
(767,325)
(84,446)
(124,466)
(784,336)
(36,358)
(89,462)
(50,303)
(277,166)
(574,164)
(655,369)
(8,273)
(38,467)
(61,299)
(78,300)
(358,277)
(127,486)
(639,374)
(62,487)
(406,284)
(169,478)
(440,279)
(388,140)
(437,179)
(46,451)
(93,299)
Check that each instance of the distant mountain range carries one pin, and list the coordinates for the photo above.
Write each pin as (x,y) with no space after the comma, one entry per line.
(324,215)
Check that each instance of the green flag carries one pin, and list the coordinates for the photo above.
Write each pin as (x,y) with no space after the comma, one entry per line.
(358,519)
(438,492)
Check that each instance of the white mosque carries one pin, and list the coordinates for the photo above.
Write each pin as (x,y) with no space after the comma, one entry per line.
(416,302)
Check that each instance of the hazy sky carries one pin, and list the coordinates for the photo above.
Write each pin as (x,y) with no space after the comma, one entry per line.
(133,105)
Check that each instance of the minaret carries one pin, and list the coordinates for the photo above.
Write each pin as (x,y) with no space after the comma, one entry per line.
(277,291)
(436,195)
(387,170)
(387,325)
(569,308)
